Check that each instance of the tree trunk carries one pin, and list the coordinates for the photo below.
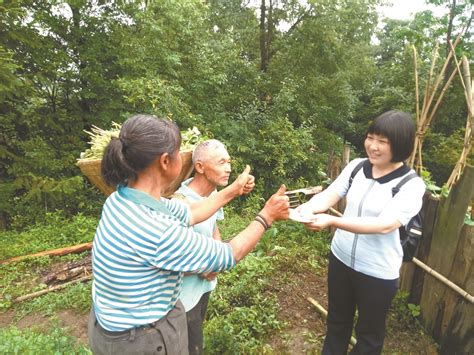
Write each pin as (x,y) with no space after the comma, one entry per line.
(439,305)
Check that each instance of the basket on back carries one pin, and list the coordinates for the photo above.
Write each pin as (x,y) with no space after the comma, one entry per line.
(91,169)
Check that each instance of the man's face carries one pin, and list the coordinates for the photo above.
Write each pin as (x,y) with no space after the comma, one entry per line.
(216,167)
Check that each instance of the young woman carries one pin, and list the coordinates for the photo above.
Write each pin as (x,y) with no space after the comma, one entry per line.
(144,242)
(366,254)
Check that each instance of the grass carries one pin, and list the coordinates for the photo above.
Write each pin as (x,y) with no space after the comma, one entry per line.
(243,313)
(55,232)
(34,341)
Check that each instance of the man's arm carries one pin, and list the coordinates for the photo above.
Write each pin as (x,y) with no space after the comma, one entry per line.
(209,276)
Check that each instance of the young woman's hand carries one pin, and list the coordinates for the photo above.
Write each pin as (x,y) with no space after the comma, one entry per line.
(321,221)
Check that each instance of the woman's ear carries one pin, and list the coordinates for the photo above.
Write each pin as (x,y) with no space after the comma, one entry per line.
(163,161)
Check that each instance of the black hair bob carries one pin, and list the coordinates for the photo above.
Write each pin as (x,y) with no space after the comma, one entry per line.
(398,127)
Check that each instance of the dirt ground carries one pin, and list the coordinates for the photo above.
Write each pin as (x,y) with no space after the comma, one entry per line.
(304,328)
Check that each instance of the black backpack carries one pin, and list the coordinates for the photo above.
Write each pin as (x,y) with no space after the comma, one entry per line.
(411,234)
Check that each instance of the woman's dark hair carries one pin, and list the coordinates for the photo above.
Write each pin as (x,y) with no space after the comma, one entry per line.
(398,127)
(141,140)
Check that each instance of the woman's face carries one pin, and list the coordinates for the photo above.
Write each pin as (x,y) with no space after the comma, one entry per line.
(378,149)
(175,165)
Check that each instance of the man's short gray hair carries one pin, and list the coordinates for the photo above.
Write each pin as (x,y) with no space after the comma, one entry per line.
(203,149)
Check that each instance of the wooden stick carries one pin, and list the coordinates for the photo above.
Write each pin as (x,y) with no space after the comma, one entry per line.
(468,138)
(55,288)
(417,89)
(440,98)
(428,89)
(444,280)
(325,314)
(430,271)
(54,252)
(441,73)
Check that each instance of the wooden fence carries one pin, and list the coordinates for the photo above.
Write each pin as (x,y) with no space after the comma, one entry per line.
(448,248)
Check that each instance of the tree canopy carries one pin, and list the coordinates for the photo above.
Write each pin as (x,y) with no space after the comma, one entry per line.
(283,84)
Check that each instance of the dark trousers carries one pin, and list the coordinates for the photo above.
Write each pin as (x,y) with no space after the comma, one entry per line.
(348,290)
(195,318)
(167,336)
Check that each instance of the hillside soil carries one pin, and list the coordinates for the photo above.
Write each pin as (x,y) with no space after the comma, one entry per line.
(304,329)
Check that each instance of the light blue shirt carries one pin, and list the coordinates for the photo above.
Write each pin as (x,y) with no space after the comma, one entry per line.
(377,255)
(193,285)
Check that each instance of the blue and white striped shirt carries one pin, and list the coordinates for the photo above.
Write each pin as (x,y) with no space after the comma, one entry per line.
(141,248)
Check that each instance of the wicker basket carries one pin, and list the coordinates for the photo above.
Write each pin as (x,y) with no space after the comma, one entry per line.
(91,169)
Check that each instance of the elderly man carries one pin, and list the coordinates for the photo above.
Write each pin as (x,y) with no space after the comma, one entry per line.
(212,168)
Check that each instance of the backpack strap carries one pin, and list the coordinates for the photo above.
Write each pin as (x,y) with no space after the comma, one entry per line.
(355,171)
(402,182)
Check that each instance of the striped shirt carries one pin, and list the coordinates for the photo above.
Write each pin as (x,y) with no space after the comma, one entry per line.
(141,248)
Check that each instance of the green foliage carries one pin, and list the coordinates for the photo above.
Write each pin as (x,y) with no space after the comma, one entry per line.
(430,184)
(20,278)
(442,152)
(240,315)
(242,312)
(468,219)
(67,66)
(405,314)
(53,233)
(30,341)
(243,330)
(75,297)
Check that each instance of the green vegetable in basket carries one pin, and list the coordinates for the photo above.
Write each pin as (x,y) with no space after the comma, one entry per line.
(99,138)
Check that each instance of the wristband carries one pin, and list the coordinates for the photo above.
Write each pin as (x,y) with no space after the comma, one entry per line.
(262,223)
(264,220)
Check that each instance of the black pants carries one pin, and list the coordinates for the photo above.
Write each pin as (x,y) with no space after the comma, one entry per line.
(167,336)
(348,290)
(195,318)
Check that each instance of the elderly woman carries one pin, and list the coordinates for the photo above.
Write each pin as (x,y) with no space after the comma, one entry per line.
(144,242)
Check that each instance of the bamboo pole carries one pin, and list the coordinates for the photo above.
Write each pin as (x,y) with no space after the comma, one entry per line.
(55,288)
(439,99)
(428,82)
(426,116)
(417,89)
(321,310)
(54,252)
(443,69)
(468,297)
(468,137)
(430,271)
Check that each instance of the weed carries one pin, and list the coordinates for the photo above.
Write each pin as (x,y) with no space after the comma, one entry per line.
(32,341)
(403,313)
